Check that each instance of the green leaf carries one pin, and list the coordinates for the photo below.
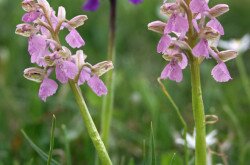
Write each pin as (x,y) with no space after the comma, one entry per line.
(40,152)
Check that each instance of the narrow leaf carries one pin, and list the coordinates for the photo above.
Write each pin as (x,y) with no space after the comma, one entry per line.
(152,156)
(51,140)
(40,152)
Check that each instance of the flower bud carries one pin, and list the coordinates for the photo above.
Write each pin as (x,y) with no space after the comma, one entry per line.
(167,57)
(102,67)
(209,33)
(65,52)
(25,30)
(227,55)
(34,74)
(61,14)
(29,5)
(45,5)
(157,26)
(77,21)
(169,8)
(181,44)
(218,10)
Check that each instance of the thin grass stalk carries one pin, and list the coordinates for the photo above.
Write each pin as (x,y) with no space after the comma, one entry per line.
(183,122)
(51,140)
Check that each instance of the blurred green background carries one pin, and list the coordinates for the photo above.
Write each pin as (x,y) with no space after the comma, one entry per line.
(138,96)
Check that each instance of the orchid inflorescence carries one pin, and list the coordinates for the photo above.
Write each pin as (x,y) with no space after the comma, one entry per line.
(192,31)
(42,27)
(92,5)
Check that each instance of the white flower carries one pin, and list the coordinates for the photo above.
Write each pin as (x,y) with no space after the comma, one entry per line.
(239,45)
(210,139)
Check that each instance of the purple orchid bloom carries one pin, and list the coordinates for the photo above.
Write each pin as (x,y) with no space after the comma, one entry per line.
(42,26)
(173,46)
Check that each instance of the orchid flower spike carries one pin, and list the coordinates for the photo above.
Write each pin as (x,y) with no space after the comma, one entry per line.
(191,19)
(42,27)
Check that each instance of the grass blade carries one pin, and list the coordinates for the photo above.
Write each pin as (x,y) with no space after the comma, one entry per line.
(172,160)
(40,152)
(51,139)
(66,143)
(152,157)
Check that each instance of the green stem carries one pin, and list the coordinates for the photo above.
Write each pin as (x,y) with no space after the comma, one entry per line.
(199,116)
(91,128)
(107,106)
(183,122)
(243,75)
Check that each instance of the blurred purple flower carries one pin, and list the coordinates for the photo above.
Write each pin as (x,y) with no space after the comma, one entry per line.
(136,1)
(93,5)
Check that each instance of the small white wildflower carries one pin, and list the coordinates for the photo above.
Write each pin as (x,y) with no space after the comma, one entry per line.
(239,45)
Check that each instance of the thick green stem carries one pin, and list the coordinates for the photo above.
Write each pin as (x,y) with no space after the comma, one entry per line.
(199,116)
(243,75)
(107,106)
(91,128)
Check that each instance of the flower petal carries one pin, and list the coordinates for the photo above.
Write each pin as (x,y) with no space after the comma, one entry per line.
(30,16)
(215,24)
(220,73)
(60,75)
(201,49)
(199,6)
(48,88)
(97,85)
(74,39)
(66,70)
(177,23)
(84,75)
(163,44)
(172,71)
(184,61)
(37,48)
